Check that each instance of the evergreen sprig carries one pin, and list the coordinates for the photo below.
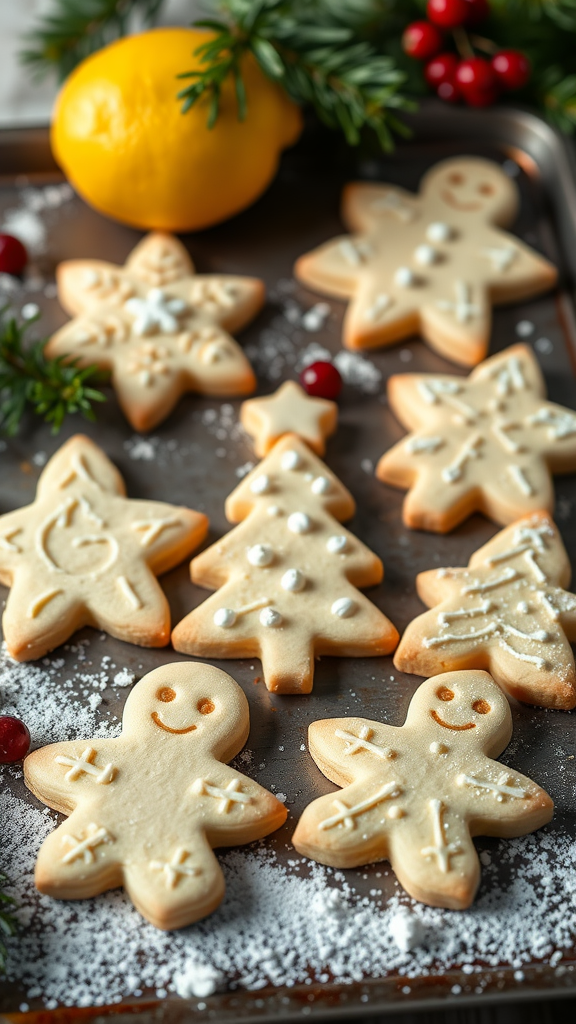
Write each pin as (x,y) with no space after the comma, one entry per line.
(51,388)
(8,923)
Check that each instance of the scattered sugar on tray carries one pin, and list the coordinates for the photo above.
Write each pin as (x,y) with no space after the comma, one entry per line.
(544,346)
(199,980)
(123,678)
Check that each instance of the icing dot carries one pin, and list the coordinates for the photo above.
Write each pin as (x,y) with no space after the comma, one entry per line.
(336,544)
(260,484)
(270,617)
(404,277)
(438,748)
(343,607)
(426,255)
(438,232)
(293,580)
(299,522)
(522,607)
(308,476)
(395,812)
(260,554)
(290,460)
(321,485)
(274,510)
(224,617)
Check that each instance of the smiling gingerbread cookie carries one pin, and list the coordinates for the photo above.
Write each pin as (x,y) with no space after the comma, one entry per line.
(146,809)
(434,263)
(415,795)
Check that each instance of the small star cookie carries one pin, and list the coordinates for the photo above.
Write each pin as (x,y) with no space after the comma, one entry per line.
(432,264)
(82,554)
(488,443)
(507,612)
(146,809)
(288,411)
(417,794)
(159,327)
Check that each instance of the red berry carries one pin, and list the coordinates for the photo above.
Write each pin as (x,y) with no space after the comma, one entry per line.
(481,97)
(13,255)
(14,739)
(421,40)
(511,68)
(447,13)
(441,69)
(478,11)
(475,76)
(449,92)
(321,380)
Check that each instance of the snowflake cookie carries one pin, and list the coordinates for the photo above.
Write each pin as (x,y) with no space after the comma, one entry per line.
(487,443)
(157,326)
(432,264)
(416,794)
(288,576)
(82,554)
(507,612)
(146,809)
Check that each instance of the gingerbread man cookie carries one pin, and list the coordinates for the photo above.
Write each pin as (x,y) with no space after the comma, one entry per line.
(488,443)
(157,326)
(146,809)
(82,554)
(432,264)
(288,410)
(507,612)
(416,795)
(288,576)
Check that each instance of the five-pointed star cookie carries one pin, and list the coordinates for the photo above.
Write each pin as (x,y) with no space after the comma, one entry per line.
(160,328)
(416,795)
(433,263)
(507,612)
(288,411)
(82,554)
(147,808)
(488,443)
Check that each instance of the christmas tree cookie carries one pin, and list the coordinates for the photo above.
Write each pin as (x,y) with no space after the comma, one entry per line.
(159,327)
(433,264)
(287,576)
(416,795)
(146,809)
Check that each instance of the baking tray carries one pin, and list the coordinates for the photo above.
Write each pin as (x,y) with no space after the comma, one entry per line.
(194,466)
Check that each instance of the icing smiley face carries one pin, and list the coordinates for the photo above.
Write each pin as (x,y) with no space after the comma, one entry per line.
(473,186)
(464,708)
(445,694)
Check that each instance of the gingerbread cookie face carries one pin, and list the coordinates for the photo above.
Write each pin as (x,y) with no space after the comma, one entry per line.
(287,576)
(416,795)
(432,264)
(488,443)
(288,410)
(85,555)
(146,809)
(160,328)
(507,612)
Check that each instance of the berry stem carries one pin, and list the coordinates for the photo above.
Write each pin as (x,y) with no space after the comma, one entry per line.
(483,44)
(462,41)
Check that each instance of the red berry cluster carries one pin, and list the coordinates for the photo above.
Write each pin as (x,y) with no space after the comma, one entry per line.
(476,80)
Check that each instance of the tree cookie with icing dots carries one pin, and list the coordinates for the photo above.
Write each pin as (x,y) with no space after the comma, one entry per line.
(488,443)
(146,809)
(432,264)
(82,554)
(507,612)
(160,328)
(287,576)
(416,794)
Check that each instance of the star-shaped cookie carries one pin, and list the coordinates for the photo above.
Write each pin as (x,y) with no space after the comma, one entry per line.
(507,612)
(288,411)
(416,795)
(160,328)
(434,263)
(147,808)
(82,554)
(488,443)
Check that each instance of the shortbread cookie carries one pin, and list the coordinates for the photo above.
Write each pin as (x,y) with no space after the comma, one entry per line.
(432,264)
(82,554)
(147,808)
(287,576)
(158,326)
(415,795)
(288,410)
(487,444)
(507,612)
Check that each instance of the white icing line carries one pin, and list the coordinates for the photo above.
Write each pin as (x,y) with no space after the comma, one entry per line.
(175,868)
(84,848)
(463,307)
(530,558)
(227,797)
(441,849)
(499,789)
(506,577)
(40,602)
(154,527)
(532,659)
(499,428)
(345,815)
(465,613)
(381,303)
(561,424)
(520,480)
(470,450)
(362,742)
(84,765)
(449,638)
(553,612)
(424,444)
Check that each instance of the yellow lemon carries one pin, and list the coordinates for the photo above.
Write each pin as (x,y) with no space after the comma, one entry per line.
(120,136)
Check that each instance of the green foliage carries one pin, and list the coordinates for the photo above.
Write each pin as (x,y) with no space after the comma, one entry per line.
(51,388)
(8,925)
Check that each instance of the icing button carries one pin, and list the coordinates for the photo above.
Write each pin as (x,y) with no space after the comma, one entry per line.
(270,617)
(290,460)
(224,617)
(336,544)
(404,277)
(299,522)
(321,485)
(293,580)
(260,554)
(343,607)
(438,231)
(426,255)
(260,484)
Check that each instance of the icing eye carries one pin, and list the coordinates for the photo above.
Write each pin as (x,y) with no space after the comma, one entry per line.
(206,706)
(486,189)
(456,179)
(166,694)
(444,693)
(482,707)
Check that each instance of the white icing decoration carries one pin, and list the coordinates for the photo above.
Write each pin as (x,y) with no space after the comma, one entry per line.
(345,815)
(270,617)
(213,294)
(523,607)
(175,868)
(227,797)
(90,278)
(531,659)
(362,742)
(260,484)
(156,312)
(291,459)
(520,480)
(381,303)
(499,428)
(293,580)
(426,255)
(337,544)
(477,588)
(470,450)
(561,424)
(154,527)
(429,445)
(499,789)
(61,518)
(128,592)
(84,765)
(502,258)
(404,277)
(354,252)
(441,849)
(343,607)
(40,602)
(395,812)
(547,604)
(465,613)
(299,522)
(463,307)
(540,634)
(449,638)
(509,376)
(274,510)
(438,748)
(529,557)
(89,511)
(321,485)
(391,202)
(438,231)
(260,555)
(84,848)
(434,390)
(534,537)
(224,617)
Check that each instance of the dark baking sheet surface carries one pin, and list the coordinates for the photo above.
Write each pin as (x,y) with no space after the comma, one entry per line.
(193,465)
